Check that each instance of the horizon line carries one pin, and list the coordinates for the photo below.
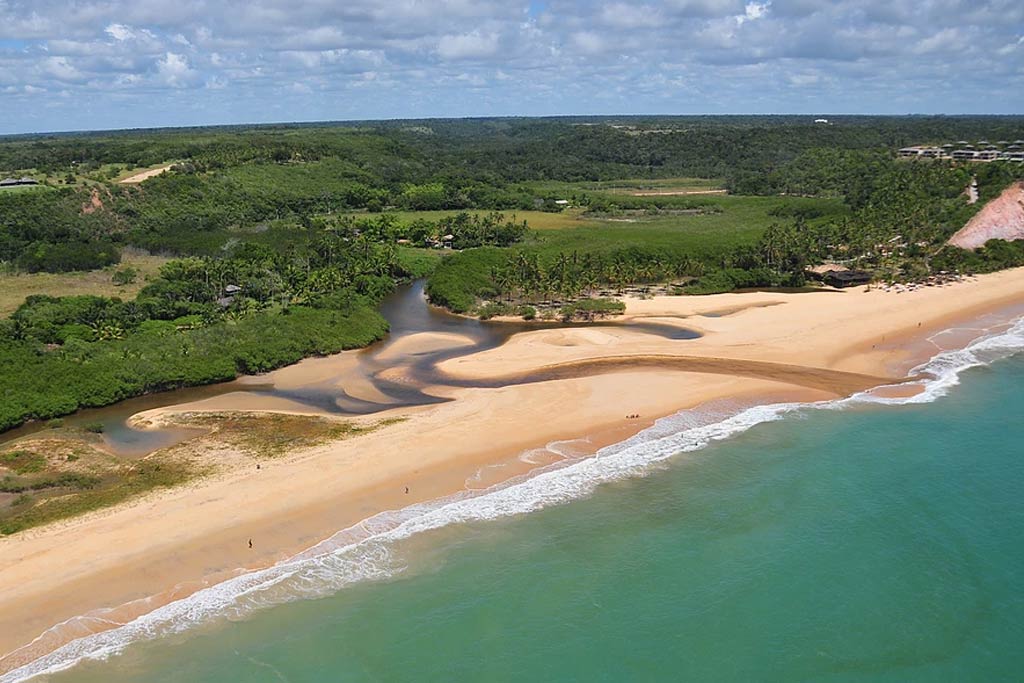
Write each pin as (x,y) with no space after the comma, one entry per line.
(335,122)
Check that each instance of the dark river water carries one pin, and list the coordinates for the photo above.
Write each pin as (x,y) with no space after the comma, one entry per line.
(407,313)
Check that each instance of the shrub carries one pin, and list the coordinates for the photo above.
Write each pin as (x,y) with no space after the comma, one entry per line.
(124,276)
(23,462)
(589,309)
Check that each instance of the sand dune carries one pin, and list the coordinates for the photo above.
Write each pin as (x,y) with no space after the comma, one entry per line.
(1000,219)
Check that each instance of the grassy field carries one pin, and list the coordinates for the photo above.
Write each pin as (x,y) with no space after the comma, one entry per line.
(727,222)
(537,220)
(14,288)
(633,185)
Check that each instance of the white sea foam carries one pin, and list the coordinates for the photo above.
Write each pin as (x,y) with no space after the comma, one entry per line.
(365,552)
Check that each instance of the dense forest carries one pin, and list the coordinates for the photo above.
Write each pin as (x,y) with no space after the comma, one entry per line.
(286,237)
(228,183)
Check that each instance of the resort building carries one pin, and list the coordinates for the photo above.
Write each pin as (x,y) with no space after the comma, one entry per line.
(926,152)
(964,154)
(963,150)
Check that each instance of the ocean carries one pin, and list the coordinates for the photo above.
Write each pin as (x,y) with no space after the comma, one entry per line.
(865,539)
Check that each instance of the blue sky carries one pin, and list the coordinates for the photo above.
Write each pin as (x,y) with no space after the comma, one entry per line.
(91,64)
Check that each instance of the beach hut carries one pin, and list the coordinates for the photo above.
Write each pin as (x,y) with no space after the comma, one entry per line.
(847,278)
(820,271)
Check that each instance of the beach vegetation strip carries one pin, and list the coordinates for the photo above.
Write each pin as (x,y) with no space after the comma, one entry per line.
(63,474)
(271,435)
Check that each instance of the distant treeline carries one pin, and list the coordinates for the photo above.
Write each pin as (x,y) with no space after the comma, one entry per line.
(482,150)
(232,182)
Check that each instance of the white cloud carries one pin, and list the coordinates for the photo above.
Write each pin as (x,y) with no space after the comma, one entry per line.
(61,69)
(588,42)
(128,80)
(473,45)
(752,11)
(120,32)
(174,70)
(946,39)
(627,16)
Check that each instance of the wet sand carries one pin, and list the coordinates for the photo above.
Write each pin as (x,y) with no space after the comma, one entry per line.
(535,387)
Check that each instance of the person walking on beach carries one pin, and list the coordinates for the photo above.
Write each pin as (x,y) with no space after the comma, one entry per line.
(250,543)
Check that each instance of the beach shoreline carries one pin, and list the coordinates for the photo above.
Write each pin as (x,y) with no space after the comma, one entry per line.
(149,552)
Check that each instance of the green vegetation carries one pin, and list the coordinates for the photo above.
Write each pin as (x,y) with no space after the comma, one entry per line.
(272,435)
(286,237)
(590,309)
(43,480)
(22,462)
(650,240)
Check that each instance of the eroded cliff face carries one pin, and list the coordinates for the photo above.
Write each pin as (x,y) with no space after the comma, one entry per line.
(1000,219)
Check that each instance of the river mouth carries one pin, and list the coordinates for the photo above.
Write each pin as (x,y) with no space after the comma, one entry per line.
(350,383)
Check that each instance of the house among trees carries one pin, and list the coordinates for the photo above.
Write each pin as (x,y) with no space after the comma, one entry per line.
(847,278)
(836,275)
(820,271)
(229,296)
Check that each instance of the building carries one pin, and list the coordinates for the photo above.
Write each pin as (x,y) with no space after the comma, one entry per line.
(820,271)
(926,152)
(847,278)
(12,182)
(964,154)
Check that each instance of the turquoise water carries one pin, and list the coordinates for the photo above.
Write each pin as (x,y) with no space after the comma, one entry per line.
(871,543)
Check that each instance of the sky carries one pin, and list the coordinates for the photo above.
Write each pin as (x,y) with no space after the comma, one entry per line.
(101,64)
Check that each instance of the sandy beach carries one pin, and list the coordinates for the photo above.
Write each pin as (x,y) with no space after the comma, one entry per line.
(559,384)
